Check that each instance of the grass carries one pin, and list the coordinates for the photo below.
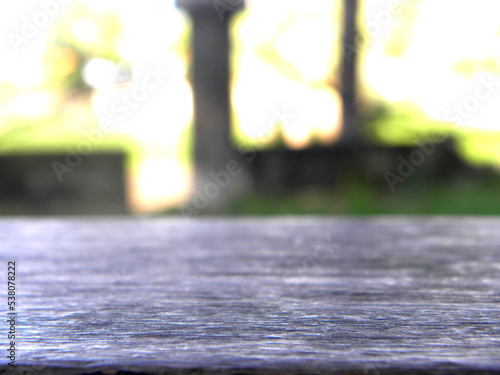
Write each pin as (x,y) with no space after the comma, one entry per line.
(458,198)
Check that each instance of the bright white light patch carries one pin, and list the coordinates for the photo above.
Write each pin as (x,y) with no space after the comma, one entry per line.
(31,104)
(426,73)
(307,46)
(85,30)
(99,73)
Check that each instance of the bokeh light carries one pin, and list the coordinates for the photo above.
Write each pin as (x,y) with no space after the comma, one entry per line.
(423,65)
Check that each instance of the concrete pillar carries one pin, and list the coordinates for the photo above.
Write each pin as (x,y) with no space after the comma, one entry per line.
(351,124)
(212,148)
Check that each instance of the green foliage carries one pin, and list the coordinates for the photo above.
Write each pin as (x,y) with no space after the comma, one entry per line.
(67,55)
(356,198)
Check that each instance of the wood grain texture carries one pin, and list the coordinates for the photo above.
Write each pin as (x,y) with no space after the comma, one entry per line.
(303,295)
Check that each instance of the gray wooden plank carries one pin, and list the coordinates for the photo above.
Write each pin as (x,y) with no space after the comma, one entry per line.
(280,294)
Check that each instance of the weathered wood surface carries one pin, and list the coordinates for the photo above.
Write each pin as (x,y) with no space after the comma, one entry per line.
(257,295)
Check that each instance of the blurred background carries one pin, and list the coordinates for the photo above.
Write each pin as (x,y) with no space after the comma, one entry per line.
(334,107)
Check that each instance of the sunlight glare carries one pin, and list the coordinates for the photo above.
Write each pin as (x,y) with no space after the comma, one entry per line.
(307,45)
(85,30)
(99,73)
(426,74)
(30,104)
(303,35)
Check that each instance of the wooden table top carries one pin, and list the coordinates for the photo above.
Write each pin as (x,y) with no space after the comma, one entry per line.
(254,295)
